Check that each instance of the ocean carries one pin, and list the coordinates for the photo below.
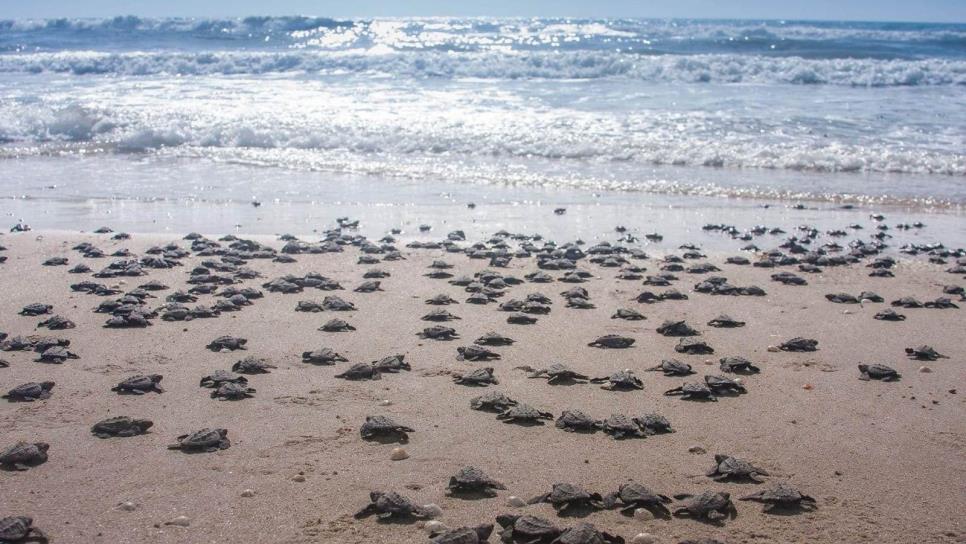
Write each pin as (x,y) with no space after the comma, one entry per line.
(160,124)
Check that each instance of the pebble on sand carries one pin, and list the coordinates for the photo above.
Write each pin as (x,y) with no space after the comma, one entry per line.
(398,454)
(925,369)
(433,511)
(247,493)
(433,527)
(697,450)
(808,387)
(127,506)
(180,521)
(774,349)
(385,402)
(642,514)
(515,502)
(644,538)
(298,478)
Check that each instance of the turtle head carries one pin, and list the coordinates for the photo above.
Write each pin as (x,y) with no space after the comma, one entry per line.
(375,495)
(484,531)
(156,378)
(42,446)
(719,458)
(143,424)
(47,386)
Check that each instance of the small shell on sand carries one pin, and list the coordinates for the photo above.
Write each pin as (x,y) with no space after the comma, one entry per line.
(697,450)
(808,387)
(642,514)
(774,349)
(644,538)
(515,502)
(385,402)
(433,511)
(180,521)
(398,454)
(925,369)
(247,493)
(434,526)
(127,506)
(298,478)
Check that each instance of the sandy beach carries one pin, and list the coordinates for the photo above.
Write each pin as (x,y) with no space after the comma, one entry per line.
(885,461)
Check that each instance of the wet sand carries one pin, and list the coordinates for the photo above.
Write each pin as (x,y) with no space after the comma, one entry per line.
(886,462)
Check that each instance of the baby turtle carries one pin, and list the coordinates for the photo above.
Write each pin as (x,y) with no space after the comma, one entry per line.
(612,341)
(628,314)
(322,356)
(782,497)
(390,505)
(336,304)
(382,426)
(122,426)
(523,413)
(692,346)
(336,325)
(463,535)
(725,321)
(727,467)
(204,440)
(676,328)
(251,365)
(140,384)
(564,496)
(441,300)
(229,343)
(799,344)
(577,421)
(232,391)
(738,365)
(219,377)
(526,529)
(632,495)
(620,426)
(361,371)
(653,424)
(30,392)
(878,372)
(439,315)
(493,339)
(438,332)
(56,355)
(709,506)
(622,380)
(924,353)
(724,386)
(20,529)
(480,377)
(520,319)
(693,391)
(56,323)
(471,480)
(370,286)
(24,455)
(32,310)
(889,314)
(587,533)
(392,364)
(475,353)
(842,298)
(672,367)
(492,402)
(556,373)
(133,320)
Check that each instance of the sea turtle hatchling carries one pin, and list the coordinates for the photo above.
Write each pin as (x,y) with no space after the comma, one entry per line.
(36,309)
(439,314)
(693,391)
(520,319)
(564,496)
(251,365)
(672,367)
(218,377)
(493,339)
(556,373)
(392,364)
(632,495)
(888,314)
(336,325)
(724,386)
(121,426)
(56,323)
(620,426)
(360,371)
(622,380)
(586,533)
(676,328)
(878,372)
(333,303)
(578,421)
(924,353)
(30,392)
(387,505)
(232,391)
(725,321)
(782,497)
(653,424)
(441,300)
(727,467)
(472,480)
(613,341)
(383,426)
(438,332)
(322,356)
(738,365)
(628,314)
(693,346)
(479,377)
(799,344)
(710,506)
(493,402)
(23,455)
(523,413)
(203,440)
(15,529)
(463,535)
(526,529)
(475,353)
(56,355)
(140,384)
(229,343)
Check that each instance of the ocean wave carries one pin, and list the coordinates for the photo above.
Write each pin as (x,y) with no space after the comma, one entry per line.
(494,65)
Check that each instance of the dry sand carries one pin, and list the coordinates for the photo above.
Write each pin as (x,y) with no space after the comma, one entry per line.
(885,461)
